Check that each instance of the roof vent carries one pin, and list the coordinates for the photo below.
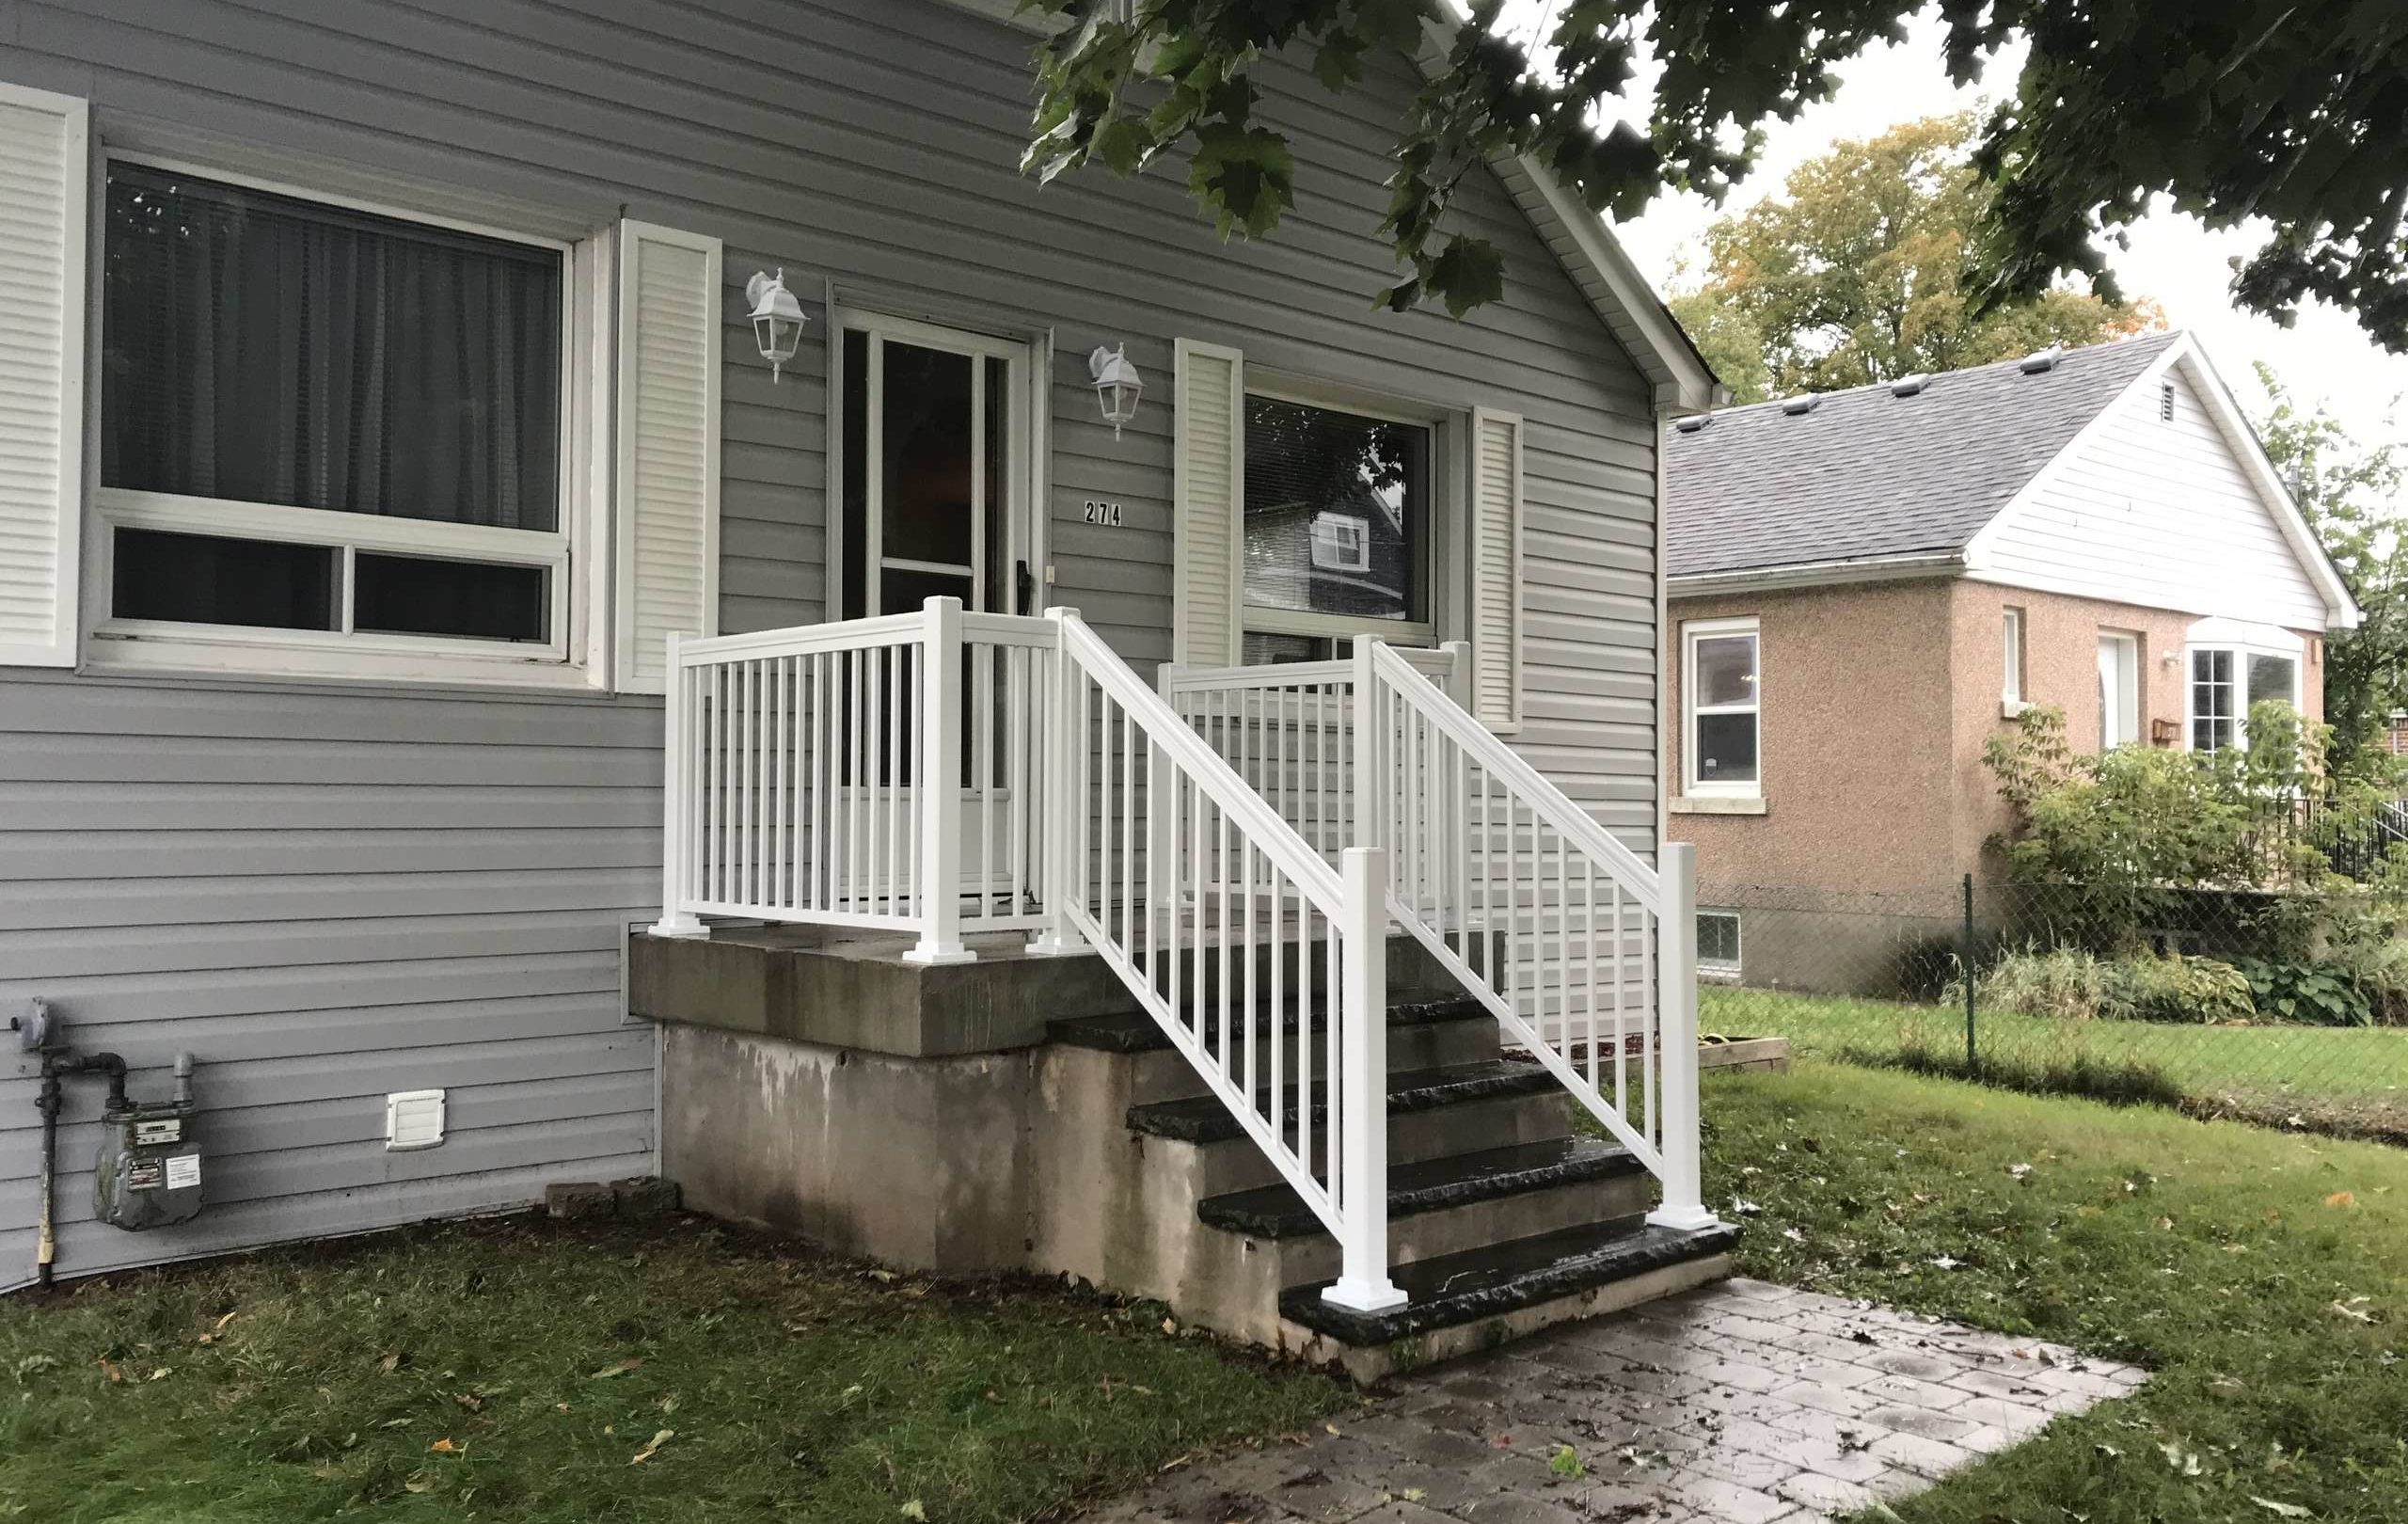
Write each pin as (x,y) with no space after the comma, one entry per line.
(1797,406)
(2042,361)
(1693,422)
(1910,386)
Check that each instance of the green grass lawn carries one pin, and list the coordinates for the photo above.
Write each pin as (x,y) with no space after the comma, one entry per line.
(513,1370)
(2263,1276)
(2349,1080)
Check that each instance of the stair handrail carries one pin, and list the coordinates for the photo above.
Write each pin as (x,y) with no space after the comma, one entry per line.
(1351,898)
(1667,894)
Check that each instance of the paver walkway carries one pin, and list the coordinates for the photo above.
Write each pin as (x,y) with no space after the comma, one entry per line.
(1742,1403)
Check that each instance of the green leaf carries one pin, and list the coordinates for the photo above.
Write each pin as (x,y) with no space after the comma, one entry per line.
(1467,273)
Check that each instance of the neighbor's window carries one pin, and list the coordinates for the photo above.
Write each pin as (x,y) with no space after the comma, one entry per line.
(2011,688)
(1718,942)
(322,421)
(2226,681)
(1721,697)
(1336,521)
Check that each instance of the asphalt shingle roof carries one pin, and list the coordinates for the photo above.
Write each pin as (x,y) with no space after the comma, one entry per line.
(1867,473)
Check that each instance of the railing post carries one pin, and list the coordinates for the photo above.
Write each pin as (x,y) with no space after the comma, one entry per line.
(675,919)
(1458,683)
(1060,937)
(939,785)
(1372,782)
(1676,1039)
(1360,1178)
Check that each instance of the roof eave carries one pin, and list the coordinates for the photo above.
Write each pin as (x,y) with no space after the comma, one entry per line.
(1811,574)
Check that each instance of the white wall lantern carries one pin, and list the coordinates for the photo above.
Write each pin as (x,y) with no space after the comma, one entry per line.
(1116,384)
(777,319)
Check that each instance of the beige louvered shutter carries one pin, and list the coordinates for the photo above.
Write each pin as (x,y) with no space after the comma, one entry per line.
(1208,503)
(1496,568)
(668,445)
(44,181)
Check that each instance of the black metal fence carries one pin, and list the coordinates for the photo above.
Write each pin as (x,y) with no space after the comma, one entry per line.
(2285,1007)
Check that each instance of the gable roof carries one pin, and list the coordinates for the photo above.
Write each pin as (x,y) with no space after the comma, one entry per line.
(1871,477)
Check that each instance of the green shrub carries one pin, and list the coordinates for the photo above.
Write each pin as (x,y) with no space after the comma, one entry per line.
(2380,970)
(2318,994)
(2149,987)
(2069,982)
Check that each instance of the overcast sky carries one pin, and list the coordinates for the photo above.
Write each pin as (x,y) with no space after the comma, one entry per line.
(2173,259)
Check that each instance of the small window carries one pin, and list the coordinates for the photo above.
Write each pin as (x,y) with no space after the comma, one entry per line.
(1336,520)
(1342,541)
(1718,942)
(2011,684)
(1722,698)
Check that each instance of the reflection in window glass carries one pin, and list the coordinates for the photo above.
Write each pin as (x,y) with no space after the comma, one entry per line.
(1310,466)
(2272,678)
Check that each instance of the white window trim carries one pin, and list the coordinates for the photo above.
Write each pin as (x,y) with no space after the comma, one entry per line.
(2242,641)
(1729,968)
(2011,661)
(1342,541)
(570,660)
(1691,632)
(1445,499)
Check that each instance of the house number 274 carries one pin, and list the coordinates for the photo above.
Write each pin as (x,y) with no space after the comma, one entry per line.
(1106,513)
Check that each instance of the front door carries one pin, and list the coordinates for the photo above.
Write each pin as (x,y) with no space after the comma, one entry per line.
(933,459)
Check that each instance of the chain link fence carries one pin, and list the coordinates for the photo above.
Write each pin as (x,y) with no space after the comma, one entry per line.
(2285,1007)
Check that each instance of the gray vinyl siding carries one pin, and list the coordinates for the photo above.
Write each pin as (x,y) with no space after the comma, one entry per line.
(326,894)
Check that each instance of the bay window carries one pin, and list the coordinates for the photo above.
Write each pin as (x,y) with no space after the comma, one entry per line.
(1721,702)
(2234,666)
(328,435)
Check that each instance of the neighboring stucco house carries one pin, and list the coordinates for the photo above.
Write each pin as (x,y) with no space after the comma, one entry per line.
(380,399)
(1866,583)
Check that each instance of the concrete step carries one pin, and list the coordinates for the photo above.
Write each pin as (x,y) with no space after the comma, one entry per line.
(1513,1171)
(1448,1109)
(1475,1299)
(1427,1029)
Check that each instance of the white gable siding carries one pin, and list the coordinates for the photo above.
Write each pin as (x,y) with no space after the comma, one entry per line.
(2155,513)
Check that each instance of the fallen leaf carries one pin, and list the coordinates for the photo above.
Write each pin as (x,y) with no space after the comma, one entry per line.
(884,1277)
(1500,1441)
(2348,1311)
(468,1400)
(1792,1235)
(2183,1461)
(391,1362)
(220,1325)
(659,1440)
(1946,1262)
(2020,1170)
(2340,1198)
(1332,1428)
(162,1373)
(110,1368)
(913,1510)
(1170,1326)
(445,1447)
(2108,1451)
(620,1369)
(2280,1510)
(419,1482)
(1413,1495)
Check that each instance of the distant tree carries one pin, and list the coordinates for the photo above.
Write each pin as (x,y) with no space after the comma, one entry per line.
(2355,495)
(2281,115)
(1857,273)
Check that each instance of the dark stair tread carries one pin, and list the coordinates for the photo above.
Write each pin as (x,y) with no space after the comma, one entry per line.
(1456,1288)
(1203,1119)
(1432,1185)
(1134,1031)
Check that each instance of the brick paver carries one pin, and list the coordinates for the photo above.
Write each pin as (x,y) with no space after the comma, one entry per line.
(1739,1404)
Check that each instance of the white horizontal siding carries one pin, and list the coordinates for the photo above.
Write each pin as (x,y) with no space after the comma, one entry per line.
(2158,513)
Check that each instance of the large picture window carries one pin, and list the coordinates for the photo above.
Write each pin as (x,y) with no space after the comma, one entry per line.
(327,426)
(1337,525)
(1721,700)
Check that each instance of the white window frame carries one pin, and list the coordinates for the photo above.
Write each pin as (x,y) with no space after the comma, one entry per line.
(569,554)
(2127,699)
(1342,541)
(1446,501)
(2241,642)
(1720,968)
(2011,661)
(1691,632)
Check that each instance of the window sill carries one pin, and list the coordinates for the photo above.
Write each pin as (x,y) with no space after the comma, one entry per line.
(2013,708)
(1716,805)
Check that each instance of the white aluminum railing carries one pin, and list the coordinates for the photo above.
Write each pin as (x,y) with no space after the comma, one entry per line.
(1585,953)
(872,775)
(943,771)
